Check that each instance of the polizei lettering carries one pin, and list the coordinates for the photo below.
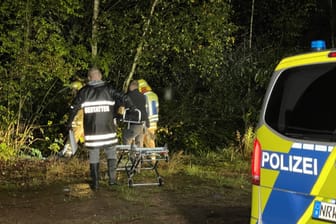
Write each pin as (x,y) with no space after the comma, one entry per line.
(290,163)
(96,109)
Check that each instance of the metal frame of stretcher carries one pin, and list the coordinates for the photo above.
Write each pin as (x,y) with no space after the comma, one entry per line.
(137,159)
(129,122)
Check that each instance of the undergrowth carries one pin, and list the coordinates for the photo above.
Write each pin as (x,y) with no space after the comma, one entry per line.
(217,166)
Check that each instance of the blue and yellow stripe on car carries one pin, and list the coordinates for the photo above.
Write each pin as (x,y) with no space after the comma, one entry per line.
(281,183)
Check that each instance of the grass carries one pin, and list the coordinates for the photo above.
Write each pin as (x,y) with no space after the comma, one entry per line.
(219,168)
(197,189)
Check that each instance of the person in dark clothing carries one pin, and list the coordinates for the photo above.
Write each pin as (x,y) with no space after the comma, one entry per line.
(97,99)
(135,129)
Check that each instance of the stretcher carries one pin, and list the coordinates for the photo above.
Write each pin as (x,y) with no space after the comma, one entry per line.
(133,159)
(132,120)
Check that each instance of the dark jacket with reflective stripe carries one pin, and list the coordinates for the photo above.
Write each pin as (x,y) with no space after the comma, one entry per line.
(98,101)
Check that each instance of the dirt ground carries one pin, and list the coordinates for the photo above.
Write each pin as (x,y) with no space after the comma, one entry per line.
(181,200)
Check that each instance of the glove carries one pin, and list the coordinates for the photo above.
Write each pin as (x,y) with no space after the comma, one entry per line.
(121,110)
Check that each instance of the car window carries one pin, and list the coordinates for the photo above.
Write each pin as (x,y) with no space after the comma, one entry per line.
(302,103)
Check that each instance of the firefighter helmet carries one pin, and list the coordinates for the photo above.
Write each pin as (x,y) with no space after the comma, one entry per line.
(143,86)
(76,85)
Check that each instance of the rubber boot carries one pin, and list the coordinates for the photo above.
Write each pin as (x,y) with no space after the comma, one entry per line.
(111,169)
(94,171)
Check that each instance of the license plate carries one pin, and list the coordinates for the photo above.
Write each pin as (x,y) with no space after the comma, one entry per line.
(324,211)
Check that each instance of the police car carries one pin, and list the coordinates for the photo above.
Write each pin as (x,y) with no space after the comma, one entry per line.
(294,155)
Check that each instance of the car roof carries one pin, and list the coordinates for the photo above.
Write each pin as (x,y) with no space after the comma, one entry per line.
(306,59)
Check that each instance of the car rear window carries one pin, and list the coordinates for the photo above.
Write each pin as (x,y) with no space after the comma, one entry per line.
(302,103)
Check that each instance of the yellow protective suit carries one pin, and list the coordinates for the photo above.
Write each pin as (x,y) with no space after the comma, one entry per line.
(152,107)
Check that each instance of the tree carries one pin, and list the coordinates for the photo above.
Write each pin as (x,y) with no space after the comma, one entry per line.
(201,50)
(139,49)
(187,49)
(94,44)
(35,66)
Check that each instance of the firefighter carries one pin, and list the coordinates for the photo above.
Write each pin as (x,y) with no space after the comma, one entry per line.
(98,99)
(135,128)
(152,107)
(76,126)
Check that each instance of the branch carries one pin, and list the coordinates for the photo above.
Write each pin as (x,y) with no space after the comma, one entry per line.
(139,49)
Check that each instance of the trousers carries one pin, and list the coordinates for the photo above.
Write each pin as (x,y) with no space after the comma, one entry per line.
(94,153)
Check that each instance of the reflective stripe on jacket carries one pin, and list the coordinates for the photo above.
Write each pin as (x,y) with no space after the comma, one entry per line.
(98,100)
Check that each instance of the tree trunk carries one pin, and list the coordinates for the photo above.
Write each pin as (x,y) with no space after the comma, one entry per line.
(251,24)
(94,47)
(139,49)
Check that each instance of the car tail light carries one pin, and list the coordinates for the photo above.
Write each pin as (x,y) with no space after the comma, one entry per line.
(256,162)
(332,54)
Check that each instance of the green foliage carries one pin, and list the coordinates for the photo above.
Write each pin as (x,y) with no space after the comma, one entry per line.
(196,49)
(245,142)
(186,46)
(55,147)
(32,154)
(6,152)
(36,66)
